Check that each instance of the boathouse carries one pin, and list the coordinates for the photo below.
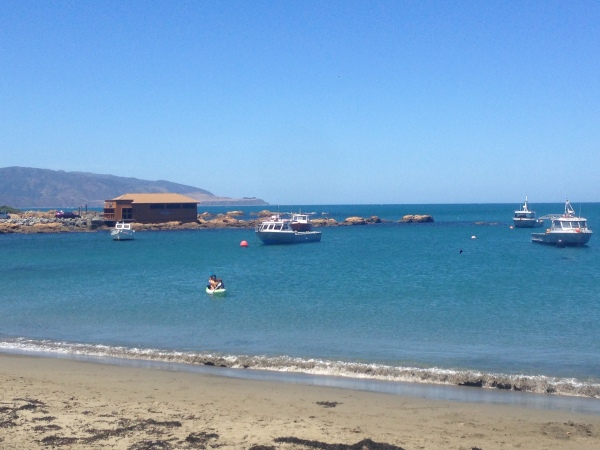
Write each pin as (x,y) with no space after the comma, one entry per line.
(151,208)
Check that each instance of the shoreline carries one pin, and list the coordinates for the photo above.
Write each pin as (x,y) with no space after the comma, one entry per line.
(479,386)
(426,390)
(83,404)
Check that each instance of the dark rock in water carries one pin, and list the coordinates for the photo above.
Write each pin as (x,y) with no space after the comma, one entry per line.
(500,385)
(475,383)
(487,223)
(416,218)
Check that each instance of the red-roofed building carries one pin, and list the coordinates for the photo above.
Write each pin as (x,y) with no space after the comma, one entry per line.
(151,208)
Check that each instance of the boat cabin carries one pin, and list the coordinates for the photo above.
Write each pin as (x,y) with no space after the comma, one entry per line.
(569,224)
(274,224)
(524,215)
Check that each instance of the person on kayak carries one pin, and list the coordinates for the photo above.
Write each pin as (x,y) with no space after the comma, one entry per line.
(215,283)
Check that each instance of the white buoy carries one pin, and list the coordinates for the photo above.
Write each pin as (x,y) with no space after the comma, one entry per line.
(473,237)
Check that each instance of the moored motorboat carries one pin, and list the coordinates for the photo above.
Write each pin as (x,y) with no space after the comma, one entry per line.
(566,229)
(122,232)
(524,218)
(300,222)
(278,230)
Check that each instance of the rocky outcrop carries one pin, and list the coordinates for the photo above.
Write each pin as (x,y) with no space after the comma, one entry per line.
(46,222)
(355,220)
(324,222)
(416,218)
(264,213)
(42,222)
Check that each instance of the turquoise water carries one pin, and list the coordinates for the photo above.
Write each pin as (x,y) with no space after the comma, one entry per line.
(388,301)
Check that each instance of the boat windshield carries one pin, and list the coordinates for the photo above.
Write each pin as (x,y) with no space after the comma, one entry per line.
(569,224)
(524,215)
(277,226)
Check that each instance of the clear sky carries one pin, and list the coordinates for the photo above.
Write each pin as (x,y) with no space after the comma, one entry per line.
(310,102)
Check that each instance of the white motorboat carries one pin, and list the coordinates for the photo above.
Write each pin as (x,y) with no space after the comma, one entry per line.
(122,232)
(279,230)
(566,229)
(524,218)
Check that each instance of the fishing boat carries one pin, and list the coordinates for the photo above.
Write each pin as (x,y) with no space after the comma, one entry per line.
(122,232)
(525,218)
(300,222)
(566,229)
(278,230)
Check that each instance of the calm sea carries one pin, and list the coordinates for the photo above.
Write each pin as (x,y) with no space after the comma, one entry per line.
(395,302)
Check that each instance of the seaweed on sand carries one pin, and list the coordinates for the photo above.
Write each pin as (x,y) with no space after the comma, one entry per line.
(365,444)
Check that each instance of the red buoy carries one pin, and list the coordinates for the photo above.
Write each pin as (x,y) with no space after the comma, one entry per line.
(243,244)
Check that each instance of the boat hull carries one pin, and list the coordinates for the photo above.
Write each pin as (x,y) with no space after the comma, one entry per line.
(121,235)
(288,237)
(528,223)
(301,226)
(216,291)
(562,239)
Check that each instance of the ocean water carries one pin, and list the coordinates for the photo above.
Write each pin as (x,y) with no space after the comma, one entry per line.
(395,302)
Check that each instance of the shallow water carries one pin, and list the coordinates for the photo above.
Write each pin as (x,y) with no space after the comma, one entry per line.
(390,301)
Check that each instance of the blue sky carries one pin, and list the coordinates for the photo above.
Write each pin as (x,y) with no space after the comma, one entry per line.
(310,102)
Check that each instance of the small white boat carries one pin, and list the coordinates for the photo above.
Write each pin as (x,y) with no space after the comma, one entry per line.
(122,232)
(565,229)
(524,218)
(278,230)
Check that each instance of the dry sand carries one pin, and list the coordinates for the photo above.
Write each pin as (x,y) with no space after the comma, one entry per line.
(66,404)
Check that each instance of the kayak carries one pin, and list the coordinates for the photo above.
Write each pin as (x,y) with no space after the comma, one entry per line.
(216,291)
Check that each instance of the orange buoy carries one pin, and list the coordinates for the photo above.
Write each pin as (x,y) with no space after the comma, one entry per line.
(243,244)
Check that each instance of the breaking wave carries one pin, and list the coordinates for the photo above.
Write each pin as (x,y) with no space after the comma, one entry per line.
(523,383)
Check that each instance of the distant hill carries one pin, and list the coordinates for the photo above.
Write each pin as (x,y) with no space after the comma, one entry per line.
(24,187)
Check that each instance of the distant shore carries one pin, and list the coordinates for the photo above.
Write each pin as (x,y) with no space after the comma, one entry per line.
(32,222)
(50,402)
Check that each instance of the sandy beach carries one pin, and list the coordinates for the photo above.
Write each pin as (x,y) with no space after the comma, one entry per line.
(57,403)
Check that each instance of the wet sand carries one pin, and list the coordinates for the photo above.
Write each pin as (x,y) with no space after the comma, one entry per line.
(57,403)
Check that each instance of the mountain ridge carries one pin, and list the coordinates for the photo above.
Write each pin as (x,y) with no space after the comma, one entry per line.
(27,187)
